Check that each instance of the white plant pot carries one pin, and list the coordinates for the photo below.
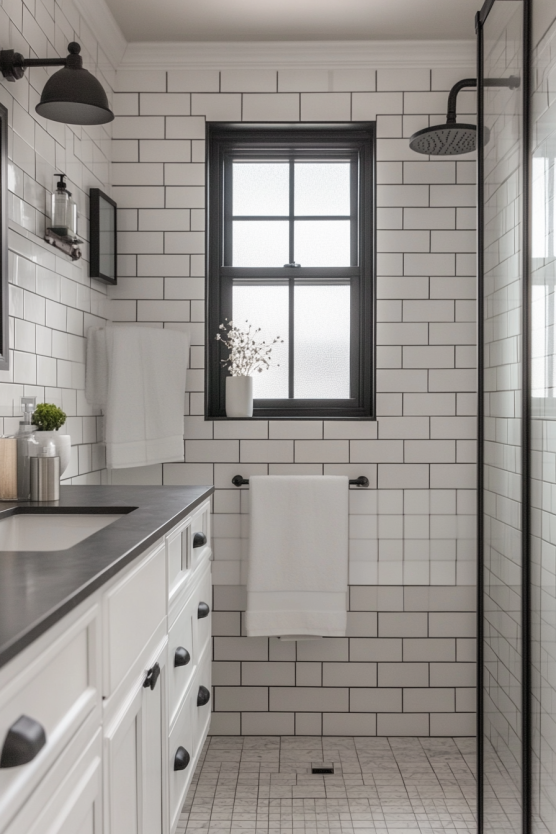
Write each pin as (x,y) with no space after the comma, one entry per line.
(239,396)
(62,442)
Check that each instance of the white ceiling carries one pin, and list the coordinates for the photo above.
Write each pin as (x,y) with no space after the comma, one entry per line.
(295,20)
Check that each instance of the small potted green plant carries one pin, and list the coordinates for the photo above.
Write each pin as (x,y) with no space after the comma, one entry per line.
(48,419)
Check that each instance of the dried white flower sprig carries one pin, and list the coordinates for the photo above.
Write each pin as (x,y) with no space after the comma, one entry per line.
(247,355)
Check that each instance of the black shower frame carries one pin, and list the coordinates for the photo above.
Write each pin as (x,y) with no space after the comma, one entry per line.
(526,746)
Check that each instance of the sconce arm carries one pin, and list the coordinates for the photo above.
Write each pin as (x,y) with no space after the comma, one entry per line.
(13,64)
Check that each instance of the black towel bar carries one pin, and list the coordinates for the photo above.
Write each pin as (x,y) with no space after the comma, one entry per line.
(362,481)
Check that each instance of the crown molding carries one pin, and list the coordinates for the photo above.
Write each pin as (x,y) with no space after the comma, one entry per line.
(104,27)
(326,54)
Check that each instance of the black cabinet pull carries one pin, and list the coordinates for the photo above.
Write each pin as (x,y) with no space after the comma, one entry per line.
(152,676)
(203,696)
(199,539)
(181,657)
(24,740)
(203,610)
(181,759)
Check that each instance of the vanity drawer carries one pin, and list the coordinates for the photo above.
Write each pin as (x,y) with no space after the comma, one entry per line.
(57,691)
(134,619)
(181,640)
(201,712)
(178,555)
(200,533)
(203,621)
(69,799)
(181,736)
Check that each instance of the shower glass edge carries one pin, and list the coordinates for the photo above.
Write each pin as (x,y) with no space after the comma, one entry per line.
(502,502)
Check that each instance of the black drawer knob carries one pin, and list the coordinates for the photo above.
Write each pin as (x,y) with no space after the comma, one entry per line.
(199,540)
(152,676)
(203,610)
(24,740)
(181,657)
(203,696)
(181,759)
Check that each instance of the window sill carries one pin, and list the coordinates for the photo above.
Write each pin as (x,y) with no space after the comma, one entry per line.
(256,418)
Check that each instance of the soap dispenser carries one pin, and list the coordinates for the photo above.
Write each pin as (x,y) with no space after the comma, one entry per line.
(26,448)
(64,210)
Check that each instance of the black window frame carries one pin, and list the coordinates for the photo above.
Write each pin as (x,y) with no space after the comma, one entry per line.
(356,141)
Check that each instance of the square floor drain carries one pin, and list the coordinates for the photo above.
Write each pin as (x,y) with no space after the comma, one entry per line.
(322,767)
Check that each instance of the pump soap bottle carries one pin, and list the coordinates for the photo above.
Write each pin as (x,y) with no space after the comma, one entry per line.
(64,210)
(26,448)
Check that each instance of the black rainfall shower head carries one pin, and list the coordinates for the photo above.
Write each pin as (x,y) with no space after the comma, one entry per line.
(450,138)
(445,140)
(456,137)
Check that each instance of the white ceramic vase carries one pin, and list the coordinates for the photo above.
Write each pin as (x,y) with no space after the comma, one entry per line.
(62,442)
(239,396)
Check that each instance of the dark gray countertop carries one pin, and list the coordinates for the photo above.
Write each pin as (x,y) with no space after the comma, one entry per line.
(38,588)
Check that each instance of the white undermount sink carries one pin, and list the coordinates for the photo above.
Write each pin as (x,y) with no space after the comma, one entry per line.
(56,531)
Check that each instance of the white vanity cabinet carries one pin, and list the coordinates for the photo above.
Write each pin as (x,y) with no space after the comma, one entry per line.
(121,689)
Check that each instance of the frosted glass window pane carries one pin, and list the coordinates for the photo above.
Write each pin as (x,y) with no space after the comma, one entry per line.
(267,308)
(322,342)
(261,188)
(322,188)
(260,243)
(322,242)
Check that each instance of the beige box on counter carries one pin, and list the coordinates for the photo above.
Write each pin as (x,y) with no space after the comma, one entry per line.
(8,469)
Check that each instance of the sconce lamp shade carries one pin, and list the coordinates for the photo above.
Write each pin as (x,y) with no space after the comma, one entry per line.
(73,95)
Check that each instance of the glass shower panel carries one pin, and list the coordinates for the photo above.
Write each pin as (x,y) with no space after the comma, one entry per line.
(543,411)
(502,495)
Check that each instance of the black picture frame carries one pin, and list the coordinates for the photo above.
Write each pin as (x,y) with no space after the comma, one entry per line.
(104,237)
(4,322)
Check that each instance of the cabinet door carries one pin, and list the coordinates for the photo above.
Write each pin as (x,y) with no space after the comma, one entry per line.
(134,621)
(154,776)
(135,754)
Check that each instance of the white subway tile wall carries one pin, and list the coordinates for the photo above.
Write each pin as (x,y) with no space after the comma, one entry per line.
(412,536)
(407,666)
(52,300)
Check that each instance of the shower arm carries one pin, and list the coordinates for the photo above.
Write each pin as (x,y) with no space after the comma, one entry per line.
(512,82)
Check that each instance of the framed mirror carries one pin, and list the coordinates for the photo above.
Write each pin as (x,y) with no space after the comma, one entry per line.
(103,229)
(4,322)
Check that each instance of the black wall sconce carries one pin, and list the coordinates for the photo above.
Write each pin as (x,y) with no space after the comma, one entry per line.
(72,95)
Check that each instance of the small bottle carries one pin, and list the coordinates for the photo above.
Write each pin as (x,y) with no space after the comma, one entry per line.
(64,210)
(26,448)
(45,474)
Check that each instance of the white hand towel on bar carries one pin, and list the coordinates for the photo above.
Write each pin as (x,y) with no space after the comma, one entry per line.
(137,376)
(297,574)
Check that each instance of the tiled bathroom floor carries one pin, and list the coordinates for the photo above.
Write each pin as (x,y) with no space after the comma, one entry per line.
(260,784)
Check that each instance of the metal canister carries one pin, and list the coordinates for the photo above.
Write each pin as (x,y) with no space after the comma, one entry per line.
(45,479)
